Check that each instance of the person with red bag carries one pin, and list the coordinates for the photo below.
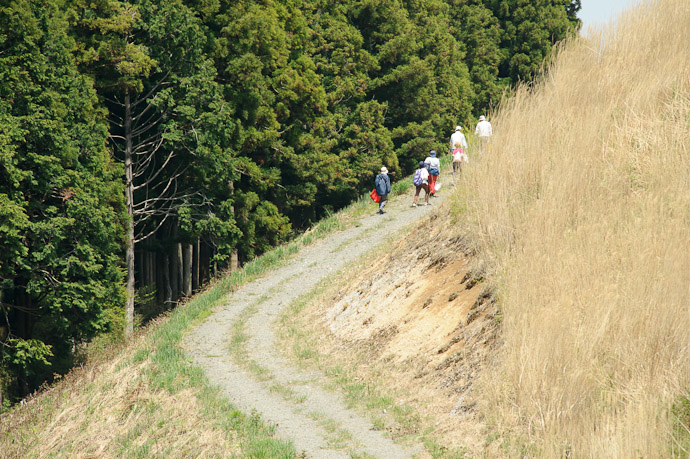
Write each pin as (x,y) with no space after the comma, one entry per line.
(382,185)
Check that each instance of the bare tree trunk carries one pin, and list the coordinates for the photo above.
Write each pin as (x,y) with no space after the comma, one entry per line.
(195,265)
(167,294)
(174,269)
(152,273)
(234,260)
(179,263)
(234,257)
(160,278)
(151,277)
(129,190)
(140,267)
(149,268)
(204,262)
(187,269)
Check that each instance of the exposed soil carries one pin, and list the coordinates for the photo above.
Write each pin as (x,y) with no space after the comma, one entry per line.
(413,302)
(421,321)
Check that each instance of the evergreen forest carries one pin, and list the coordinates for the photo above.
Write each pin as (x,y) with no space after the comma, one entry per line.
(146,146)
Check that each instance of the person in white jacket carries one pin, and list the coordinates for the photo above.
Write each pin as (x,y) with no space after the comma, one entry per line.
(483,131)
(458,138)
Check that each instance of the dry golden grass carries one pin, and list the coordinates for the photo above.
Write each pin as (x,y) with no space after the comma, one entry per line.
(583,207)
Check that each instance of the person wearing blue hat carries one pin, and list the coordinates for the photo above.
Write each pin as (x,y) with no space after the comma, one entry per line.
(434,165)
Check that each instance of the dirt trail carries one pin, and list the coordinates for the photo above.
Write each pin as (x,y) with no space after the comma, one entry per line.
(298,416)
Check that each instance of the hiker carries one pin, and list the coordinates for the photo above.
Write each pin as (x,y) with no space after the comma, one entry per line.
(458,138)
(383,188)
(459,157)
(458,150)
(434,166)
(483,131)
(421,181)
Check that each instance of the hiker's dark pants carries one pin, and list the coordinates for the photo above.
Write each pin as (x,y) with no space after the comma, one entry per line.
(383,201)
(421,187)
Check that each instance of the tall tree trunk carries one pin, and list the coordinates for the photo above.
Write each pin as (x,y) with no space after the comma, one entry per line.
(167,294)
(195,265)
(234,257)
(160,284)
(152,273)
(204,264)
(146,271)
(187,269)
(174,269)
(129,190)
(180,276)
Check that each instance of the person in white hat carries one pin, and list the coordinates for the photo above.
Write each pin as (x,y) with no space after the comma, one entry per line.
(383,188)
(458,149)
(483,131)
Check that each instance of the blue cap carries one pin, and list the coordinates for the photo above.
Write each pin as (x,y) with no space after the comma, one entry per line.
(432,153)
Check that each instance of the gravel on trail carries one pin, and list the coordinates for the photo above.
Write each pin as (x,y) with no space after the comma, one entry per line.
(297,418)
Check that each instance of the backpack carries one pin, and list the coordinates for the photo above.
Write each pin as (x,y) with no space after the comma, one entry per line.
(417,179)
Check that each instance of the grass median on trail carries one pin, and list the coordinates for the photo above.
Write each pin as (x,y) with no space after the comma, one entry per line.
(145,399)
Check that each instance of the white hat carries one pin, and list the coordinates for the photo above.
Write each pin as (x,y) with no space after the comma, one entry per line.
(458,128)
(384,170)
(481,118)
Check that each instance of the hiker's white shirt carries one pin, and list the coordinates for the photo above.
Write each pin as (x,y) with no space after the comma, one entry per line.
(458,137)
(433,163)
(483,129)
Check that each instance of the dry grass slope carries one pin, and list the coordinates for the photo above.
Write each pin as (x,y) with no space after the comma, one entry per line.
(111,409)
(582,207)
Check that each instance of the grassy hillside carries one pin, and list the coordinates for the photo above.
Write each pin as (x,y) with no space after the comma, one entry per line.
(581,209)
(582,206)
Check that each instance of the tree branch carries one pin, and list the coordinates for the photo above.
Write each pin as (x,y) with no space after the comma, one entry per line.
(157,85)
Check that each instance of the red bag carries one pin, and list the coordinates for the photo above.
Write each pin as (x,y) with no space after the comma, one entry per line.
(375,196)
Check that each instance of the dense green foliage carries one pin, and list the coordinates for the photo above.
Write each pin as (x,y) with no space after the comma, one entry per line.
(61,212)
(218,126)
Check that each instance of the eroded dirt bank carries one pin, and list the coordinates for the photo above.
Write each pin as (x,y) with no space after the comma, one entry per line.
(420,320)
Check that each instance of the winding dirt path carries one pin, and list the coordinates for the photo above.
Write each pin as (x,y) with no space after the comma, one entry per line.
(300,416)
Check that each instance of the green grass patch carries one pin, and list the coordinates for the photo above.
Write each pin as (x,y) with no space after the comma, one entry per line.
(680,412)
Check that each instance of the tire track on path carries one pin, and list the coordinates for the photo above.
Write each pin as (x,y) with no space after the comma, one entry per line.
(297,420)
